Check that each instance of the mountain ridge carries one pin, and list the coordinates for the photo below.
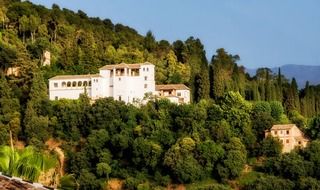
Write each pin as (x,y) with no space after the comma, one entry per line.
(302,73)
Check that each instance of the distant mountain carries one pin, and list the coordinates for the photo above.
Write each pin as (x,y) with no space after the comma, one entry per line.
(302,73)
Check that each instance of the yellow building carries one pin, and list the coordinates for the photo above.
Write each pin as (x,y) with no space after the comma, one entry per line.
(289,135)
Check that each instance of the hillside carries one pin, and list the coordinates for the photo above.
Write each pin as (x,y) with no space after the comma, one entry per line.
(215,142)
(302,73)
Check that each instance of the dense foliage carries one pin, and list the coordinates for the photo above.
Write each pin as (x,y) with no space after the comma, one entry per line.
(160,142)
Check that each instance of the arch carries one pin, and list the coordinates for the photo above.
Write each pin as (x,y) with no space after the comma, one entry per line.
(85,83)
(79,83)
(68,84)
(63,84)
(74,83)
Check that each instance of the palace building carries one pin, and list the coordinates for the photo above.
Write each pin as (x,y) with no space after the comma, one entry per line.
(124,82)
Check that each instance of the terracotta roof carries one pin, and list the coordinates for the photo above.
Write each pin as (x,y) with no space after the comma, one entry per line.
(282,127)
(14,183)
(171,87)
(61,77)
(124,65)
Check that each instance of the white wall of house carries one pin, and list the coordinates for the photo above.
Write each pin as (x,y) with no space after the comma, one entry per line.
(185,94)
(59,89)
(125,83)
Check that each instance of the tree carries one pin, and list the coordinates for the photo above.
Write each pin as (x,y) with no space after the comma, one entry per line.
(208,153)
(313,129)
(9,112)
(234,160)
(181,162)
(36,120)
(68,182)
(103,169)
(177,72)
(34,23)
(150,42)
(297,119)
(24,26)
(271,147)
(276,110)
(7,57)
(225,73)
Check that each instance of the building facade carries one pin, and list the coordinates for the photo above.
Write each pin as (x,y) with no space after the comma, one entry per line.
(289,135)
(176,93)
(124,82)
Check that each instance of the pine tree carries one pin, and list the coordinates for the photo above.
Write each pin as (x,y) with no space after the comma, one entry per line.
(36,120)
(295,93)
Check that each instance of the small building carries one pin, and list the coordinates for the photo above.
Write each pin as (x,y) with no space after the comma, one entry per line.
(13,71)
(46,58)
(289,135)
(124,82)
(176,93)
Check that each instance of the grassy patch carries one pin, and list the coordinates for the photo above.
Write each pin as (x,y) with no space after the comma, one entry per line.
(208,184)
(248,178)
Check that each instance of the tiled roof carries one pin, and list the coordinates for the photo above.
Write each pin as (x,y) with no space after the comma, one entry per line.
(13,183)
(282,127)
(171,87)
(124,65)
(64,77)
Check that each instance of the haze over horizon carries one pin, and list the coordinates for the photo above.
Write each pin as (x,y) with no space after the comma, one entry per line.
(264,34)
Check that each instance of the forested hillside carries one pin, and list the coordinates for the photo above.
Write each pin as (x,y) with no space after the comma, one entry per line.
(149,147)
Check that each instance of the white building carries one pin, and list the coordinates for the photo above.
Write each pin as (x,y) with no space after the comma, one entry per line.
(176,93)
(126,82)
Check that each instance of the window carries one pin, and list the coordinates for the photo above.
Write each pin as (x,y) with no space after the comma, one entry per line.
(89,83)
(55,84)
(179,93)
(275,132)
(119,98)
(299,142)
(145,78)
(287,132)
(287,141)
(69,84)
(74,84)
(145,86)
(95,80)
(79,83)
(64,84)
(56,98)
(147,69)
(119,78)
(144,69)
(85,83)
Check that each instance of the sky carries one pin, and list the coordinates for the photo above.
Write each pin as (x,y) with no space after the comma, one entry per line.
(266,33)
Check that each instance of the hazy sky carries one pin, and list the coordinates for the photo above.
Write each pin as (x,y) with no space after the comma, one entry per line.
(264,33)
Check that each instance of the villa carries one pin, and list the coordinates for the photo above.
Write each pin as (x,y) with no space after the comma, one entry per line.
(124,82)
(289,135)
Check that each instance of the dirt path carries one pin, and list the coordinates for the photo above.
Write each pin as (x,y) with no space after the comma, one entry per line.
(54,145)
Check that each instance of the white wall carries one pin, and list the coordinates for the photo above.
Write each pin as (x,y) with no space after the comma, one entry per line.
(130,88)
(67,92)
